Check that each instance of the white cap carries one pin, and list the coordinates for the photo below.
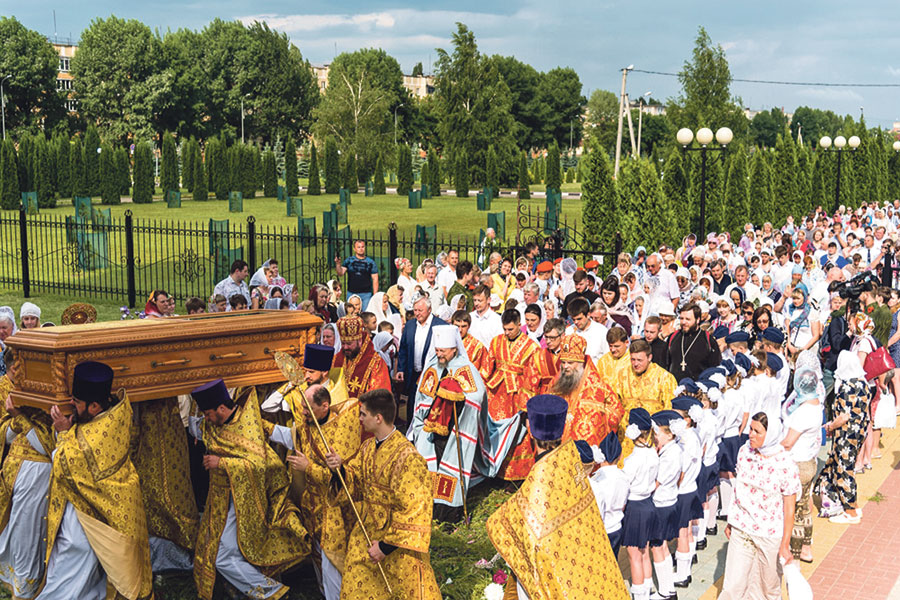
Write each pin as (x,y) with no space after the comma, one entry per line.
(704,307)
(447,336)
(682,272)
(29,309)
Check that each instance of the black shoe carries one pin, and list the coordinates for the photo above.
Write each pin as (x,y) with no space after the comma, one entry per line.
(721,517)
(658,596)
(693,561)
(714,530)
(683,583)
(701,545)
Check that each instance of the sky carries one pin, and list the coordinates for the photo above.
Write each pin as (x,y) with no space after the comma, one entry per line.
(826,41)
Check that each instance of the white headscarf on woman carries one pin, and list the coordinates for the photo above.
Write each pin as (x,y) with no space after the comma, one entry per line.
(375,307)
(337,336)
(772,444)
(259,277)
(7,313)
(384,342)
(848,367)
(454,303)
(539,332)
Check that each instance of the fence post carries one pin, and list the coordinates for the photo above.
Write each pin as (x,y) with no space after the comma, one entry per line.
(129,258)
(618,246)
(251,242)
(392,249)
(23,237)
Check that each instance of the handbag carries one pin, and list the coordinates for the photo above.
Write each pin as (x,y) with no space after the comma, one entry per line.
(885,416)
(878,362)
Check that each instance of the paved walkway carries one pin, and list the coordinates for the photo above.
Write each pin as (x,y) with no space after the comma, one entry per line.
(852,561)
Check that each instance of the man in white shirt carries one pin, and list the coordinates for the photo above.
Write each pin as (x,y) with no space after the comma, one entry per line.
(530,295)
(447,276)
(593,333)
(742,280)
(433,289)
(486,324)
(234,283)
(667,288)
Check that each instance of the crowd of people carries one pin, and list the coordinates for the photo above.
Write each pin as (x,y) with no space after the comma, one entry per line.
(691,385)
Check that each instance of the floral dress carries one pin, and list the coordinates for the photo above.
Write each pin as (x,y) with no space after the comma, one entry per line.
(837,480)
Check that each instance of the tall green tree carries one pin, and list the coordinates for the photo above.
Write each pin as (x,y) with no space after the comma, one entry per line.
(647,219)
(219,167)
(201,193)
(9,177)
(765,127)
(523,185)
(313,187)
(554,173)
(351,181)
(25,162)
(109,184)
(762,197)
(737,193)
(785,178)
(378,183)
(676,190)
(818,194)
(599,198)
(291,185)
(43,184)
(123,172)
(434,173)
(63,176)
(143,174)
(461,178)
(270,177)
(492,174)
(404,170)
(332,167)
(189,151)
(248,170)
(76,170)
(168,165)
(705,98)
(805,159)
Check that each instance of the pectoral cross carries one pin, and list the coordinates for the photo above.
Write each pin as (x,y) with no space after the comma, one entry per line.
(683,365)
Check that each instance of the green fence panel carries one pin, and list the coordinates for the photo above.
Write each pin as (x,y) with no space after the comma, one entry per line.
(74,225)
(329,224)
(306,231)
(488,194)
(370,189)
(294,207)
(235,202)
(497,221)
(344,196)
(93,250)
(415,199)
(425,237)
(30,203)
(223,259)
(484,203)
(281,194)
(173,199)
(426,191)
(340,244)
(343,211)
(218,237)
(82,207)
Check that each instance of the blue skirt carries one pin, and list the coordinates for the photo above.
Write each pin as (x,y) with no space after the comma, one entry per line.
(689,508)
(728,451)
(707,480)
(638,524)
(615,540)
(667,525)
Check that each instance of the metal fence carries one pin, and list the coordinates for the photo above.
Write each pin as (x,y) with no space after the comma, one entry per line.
(125,259)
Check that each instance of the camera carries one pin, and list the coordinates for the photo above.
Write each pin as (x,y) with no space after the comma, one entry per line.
(850,290)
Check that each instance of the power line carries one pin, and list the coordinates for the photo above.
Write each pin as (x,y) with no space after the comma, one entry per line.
(799,83)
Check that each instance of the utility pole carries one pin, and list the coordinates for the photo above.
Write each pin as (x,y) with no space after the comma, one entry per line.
(3,104)
(630,127)
(621,108)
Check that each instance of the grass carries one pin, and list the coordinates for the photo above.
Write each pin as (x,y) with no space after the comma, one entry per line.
(878,497)
(52,306)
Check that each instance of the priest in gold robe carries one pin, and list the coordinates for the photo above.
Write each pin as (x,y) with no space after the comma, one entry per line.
(328,521)
(317,370)
(393,489)
(96,525)
(551,532)
(617,358)
(250,530)
(27,432)
(594,408)
(643,384)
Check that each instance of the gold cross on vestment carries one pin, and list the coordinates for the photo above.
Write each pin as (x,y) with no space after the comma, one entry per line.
(581,476)
(355,385)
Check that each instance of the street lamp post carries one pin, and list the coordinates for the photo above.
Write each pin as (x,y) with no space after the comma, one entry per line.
(704,137)
(839,144)
(3,105)
(641,119)
(242,116)
(395,122)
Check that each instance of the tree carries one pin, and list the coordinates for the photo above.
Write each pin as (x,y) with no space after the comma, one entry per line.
(761,197)
(76,170)
(434,173)
(736,211)
(189,151)
(815,123)
(218,158)
(201,193)
(25,163)
(123,174)
(524,181)
(417,70)
(109,184)
(560,90)
(473,106)
(528,106)
(351,182)
(43,183)
(143,174)
(461,179)
(313,187)
(404,170)
(765,127)
(168,165)
(599,198)
(675,189)
(378,183)
(291,185)
(492,181)
(32,100)
(270,177)
(785,178)
(63,178)
(424,175)
(804,180)
(248,169)
(554,175)
(332,167)
(705,98)
(9,177)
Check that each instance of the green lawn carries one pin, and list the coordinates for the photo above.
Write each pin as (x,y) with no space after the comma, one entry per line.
(52,306)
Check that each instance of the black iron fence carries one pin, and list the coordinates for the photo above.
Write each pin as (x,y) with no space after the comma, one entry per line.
(125,259)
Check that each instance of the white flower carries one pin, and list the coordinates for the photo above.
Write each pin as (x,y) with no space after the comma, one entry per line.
(598,455)
(493,591)
(695,413)
(677,427)
(632,432)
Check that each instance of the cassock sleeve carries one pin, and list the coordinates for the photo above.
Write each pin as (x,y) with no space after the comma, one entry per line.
(410,525)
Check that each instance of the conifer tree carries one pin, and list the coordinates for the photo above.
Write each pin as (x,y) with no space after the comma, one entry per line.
(168,165)
(221,166)
(9,177)
(804,182)
(201,193)
(291,185)
(378,183)
(461,177)
(553,177)
(492,173)
(270,179)
(434,173)
(109,184)
(599,199)
(63,178)
(143,174)
(351,182)
(675,190)
(736,211)
(332,167)
(189,150)
(425,176)
(249,170)
(76,170)
(42,181)
(123,174)
(784,178)
(314,186)
(761,198)
(818,194)
(25,162)
(92,161)
(524,181)
(404,170)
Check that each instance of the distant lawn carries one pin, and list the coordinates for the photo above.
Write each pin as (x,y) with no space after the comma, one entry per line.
(53,306)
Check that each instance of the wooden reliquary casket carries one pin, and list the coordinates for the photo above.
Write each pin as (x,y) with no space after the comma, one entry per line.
(158,358)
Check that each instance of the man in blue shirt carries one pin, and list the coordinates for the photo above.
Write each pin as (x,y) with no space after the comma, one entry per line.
(362,278)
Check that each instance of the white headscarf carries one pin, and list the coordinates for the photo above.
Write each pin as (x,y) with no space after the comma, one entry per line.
(337,336)
(848,367)
(374,307)
(6,312)
(772,444)
(259,278)
(454,303)
(536,335)
(383,340)
(29,309)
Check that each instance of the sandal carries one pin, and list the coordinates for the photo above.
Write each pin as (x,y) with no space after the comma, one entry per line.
(805,560)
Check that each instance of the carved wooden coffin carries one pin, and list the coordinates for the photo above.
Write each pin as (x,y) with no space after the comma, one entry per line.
(157,358)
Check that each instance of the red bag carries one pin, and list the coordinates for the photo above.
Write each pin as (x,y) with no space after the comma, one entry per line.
(878,362)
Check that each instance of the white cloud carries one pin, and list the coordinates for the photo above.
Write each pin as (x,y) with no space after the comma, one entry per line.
(296,23)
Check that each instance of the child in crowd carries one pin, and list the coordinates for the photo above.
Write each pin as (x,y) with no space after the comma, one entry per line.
(640,470)
(665,499)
